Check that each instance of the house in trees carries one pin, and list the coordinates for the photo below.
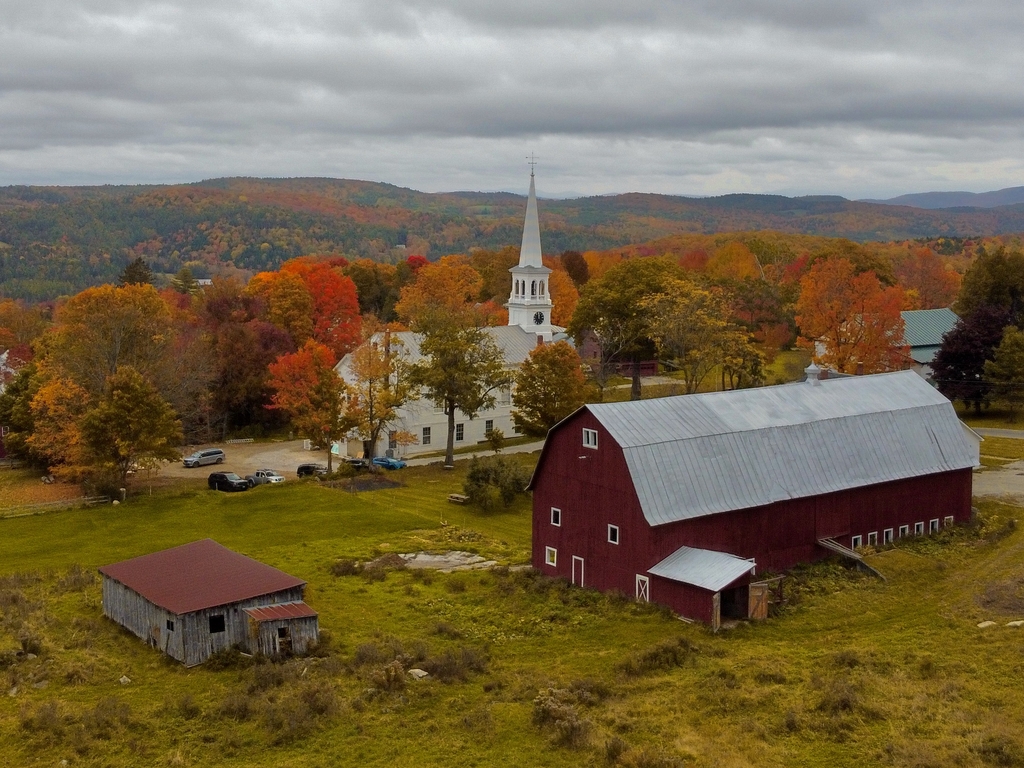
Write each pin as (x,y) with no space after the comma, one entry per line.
(923,330)
(529,324)
(425,420)
(687,501)
(194,600)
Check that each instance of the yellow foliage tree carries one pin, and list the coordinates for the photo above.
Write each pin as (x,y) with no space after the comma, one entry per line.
(564,297)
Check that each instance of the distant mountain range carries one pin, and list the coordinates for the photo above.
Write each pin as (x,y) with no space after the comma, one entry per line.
(937,200)
(57,240)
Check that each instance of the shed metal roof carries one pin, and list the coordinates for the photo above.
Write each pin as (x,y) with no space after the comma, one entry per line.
(202,574)
(697,455)
(926,327)
(280,611)
(702,568)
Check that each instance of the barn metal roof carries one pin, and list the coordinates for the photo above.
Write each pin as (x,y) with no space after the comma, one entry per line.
(202,574)
(298,610)
(697,455)
(926,327)
(702,568)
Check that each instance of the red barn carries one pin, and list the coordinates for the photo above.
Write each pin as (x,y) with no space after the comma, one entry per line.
(685,500)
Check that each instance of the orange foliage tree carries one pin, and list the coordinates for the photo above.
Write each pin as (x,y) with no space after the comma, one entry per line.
(336,320)
(287,303)
(448,287)
(852,317)
(923,272)
(311,392)
(733,261)
(564,297)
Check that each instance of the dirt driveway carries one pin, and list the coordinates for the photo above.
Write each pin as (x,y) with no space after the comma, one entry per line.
(245,458)
(1005,481)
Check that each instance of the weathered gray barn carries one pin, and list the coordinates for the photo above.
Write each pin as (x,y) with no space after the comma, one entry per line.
(194,600)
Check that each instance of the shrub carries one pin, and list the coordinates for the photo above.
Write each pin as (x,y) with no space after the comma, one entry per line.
(666,655)
(445,629)
(76,579)
(390,677)
(237,706)
(188,708)
(229,658)
(107,718)
(346,568)
(557,708)
(1000,750)
(456,665)
(493,478)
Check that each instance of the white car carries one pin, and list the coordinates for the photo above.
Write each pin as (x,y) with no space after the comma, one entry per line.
(263,476)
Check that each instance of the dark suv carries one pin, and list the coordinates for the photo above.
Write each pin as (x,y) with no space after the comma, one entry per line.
(227,481)
(308,470)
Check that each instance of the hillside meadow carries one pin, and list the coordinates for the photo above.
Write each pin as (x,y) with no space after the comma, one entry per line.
(524,670)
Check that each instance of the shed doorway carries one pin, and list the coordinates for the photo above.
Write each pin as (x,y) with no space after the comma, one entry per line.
(284,640)
(577,571)
(735,603)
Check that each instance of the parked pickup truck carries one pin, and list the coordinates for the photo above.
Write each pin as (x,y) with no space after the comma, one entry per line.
(264,476)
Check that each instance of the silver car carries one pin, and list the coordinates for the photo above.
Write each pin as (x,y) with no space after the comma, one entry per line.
(204,457)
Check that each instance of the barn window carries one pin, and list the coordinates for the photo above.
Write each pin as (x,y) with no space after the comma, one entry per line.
(948,521)
(933,525)
(460,432)
(556,517)
(919,529)
(216,623)
(170,625)
(887,536)
(856,542)
(589,438)
(426,436)
(550,556)
(613,534)
(872,538)
(904,531)
(282,632)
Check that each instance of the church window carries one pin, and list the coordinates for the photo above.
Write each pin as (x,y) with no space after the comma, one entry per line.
(488,427)
(460,432)
(533,288)
(541,287)
(426,436)
(504,396)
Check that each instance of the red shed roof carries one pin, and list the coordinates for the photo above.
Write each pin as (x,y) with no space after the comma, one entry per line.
(281,611)
(199,575)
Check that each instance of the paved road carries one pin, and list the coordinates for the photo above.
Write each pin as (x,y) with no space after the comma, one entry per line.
(1017,434)
(524,448)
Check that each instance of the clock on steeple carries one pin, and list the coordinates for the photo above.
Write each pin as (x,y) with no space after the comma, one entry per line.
(538,318)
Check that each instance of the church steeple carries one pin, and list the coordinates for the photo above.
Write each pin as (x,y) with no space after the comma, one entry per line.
(529,305)
(529,252)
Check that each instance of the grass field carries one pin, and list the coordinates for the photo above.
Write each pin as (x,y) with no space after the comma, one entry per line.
(993,417)
(526,671)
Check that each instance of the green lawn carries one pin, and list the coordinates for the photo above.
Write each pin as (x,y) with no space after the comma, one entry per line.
(994,417)
(855,672)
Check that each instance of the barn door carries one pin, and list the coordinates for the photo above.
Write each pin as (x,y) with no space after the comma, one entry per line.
(757,602)
(577,571)
(716,611)
(643,589)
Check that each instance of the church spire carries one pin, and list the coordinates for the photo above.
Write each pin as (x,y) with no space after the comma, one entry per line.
(529,252)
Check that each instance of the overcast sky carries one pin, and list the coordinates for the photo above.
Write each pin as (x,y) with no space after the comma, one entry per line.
(859,98)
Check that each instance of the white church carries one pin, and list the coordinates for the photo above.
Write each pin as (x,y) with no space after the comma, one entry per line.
(529,324)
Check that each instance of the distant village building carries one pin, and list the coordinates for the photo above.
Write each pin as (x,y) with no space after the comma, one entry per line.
(194,600)
(923,330)
(687,501)
(529,324)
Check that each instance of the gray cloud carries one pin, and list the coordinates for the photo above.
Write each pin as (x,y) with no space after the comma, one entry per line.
(701,96)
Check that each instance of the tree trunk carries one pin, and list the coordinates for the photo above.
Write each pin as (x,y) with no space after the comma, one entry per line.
(449,454)
(330,445)
(634,391)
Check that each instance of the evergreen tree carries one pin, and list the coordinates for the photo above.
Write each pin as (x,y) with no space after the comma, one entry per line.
(137,273)
(184,282)
(1005,371)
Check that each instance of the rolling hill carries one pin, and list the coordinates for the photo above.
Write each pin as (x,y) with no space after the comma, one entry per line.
(57,240)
